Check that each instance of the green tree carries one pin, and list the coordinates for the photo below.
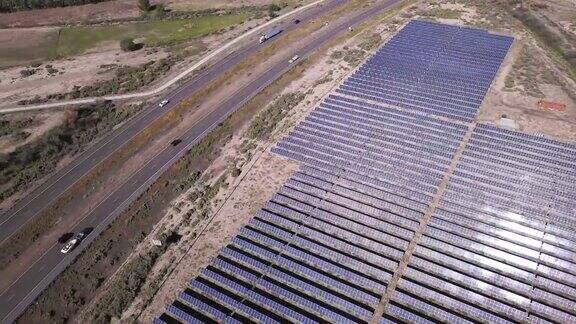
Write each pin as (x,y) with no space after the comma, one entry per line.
(273,10)
(128,45)
(144,5)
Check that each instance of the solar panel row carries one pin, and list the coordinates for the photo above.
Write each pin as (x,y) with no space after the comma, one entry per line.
(431,68)
(325,247)
(497,240)
(518,175)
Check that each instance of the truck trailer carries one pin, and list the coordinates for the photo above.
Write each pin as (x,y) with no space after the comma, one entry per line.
(273,32)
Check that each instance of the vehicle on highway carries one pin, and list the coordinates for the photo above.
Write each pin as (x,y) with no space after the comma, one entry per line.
(163,103)
(273,32)
(294,59)
(176,142)
(73,242)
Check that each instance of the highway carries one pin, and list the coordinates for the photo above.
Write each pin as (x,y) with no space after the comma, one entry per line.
(30,284)
(54,187)
(168,83)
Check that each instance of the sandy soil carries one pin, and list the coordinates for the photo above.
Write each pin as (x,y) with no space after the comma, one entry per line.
(78,71)
(523,108)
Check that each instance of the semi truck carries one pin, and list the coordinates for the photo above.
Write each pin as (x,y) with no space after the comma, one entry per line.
(273,32)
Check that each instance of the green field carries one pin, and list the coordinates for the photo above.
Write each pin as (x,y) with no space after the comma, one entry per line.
(75,40)
(28,48)
(69,41)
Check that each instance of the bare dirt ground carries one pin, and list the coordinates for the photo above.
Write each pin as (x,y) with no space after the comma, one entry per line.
(90,13)
(42,122)
(77,71)
(115,10)
(523,107)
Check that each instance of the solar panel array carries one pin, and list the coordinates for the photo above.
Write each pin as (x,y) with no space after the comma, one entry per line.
(524,174)
(322,249)
(502,246)
(432,68)
(498,248)
(326,245)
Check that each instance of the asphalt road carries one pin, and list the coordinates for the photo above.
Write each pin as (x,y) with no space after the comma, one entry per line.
(53,188)
(15,299)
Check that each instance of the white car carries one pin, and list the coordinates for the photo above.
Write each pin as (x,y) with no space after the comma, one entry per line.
(294,59)
(72,243)
(163,103)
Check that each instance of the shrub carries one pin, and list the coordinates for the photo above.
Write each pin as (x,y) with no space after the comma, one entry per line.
(144,5)
(128,45)
(267,120)
(235,172)
(29,162)
(273,10)
(27,72)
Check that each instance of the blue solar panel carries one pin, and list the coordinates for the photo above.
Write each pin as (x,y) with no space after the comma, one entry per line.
(499,245)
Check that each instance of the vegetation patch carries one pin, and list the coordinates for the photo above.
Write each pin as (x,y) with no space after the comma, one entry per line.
(30,162)
(127,79)
(76,40)
(442,13)
(527,73)
(125,286)
(327,78)
(553,39)
(10,127)
(371,42)
(19,5)
(266,121)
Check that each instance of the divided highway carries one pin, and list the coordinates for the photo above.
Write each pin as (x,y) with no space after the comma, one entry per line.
(15,299)
(54,187)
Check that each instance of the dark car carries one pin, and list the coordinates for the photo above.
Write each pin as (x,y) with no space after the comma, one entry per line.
(176,142)
(296,21)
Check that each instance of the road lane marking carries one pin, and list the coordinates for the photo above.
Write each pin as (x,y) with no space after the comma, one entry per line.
(151,109)
(172,81)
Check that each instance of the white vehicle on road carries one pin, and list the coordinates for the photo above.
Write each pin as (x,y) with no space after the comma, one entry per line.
(294,59)
(72,243)
(163,103)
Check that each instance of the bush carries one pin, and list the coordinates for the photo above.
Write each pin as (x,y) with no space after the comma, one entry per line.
(26,73)
(273,10)
(159,11)
(128,45)
(124,287)
(144,5)
(267,120)
(235,172)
